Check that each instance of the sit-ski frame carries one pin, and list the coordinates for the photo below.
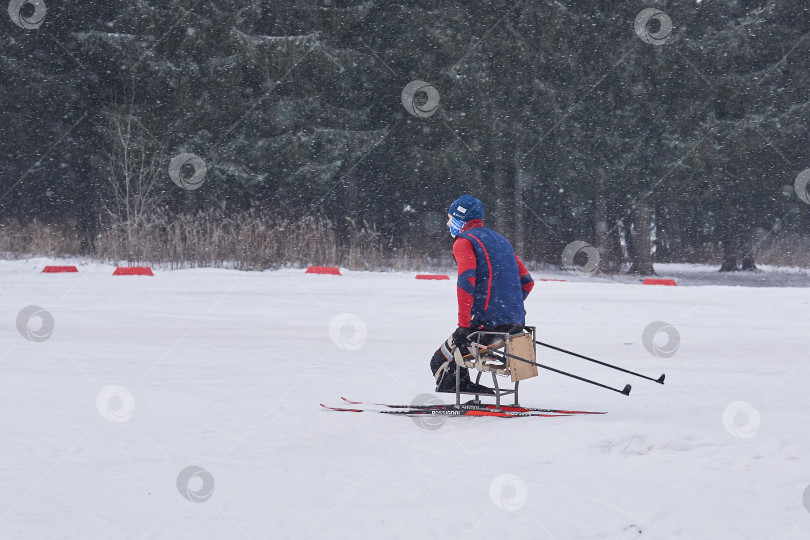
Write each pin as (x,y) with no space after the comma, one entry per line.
(480,354)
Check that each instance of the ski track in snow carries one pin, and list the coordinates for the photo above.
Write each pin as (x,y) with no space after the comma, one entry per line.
(226,370)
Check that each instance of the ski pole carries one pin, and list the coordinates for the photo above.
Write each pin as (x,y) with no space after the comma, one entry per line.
(659,380)
(625,391)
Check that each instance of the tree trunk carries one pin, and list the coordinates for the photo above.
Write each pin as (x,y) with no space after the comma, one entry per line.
(748,262)
(625,231)
(668,243)
(350,193)
(519,233)
(602,232)
(674,238)
(642,242)
(500,188)
(730,239)
(729,258)
(747,241)
(345,216)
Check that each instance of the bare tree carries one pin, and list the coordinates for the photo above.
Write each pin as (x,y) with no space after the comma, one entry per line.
(135,159)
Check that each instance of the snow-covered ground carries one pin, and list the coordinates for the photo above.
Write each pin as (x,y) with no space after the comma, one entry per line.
(144,377)
(701,274)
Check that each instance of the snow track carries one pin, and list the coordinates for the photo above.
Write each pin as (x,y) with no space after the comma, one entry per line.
(144,377)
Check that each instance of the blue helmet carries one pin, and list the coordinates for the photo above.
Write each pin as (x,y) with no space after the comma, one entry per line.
(467,208)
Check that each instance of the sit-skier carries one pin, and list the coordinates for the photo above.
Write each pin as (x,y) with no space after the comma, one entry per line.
(492,285)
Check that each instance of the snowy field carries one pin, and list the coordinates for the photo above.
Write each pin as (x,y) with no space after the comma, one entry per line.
(143,377)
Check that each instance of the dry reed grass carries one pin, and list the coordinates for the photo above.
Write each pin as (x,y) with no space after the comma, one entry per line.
(35,238)
(784,249)
(254,240)
(247,241)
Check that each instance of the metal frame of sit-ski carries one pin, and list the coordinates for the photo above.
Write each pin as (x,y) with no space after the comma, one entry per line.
(502,365)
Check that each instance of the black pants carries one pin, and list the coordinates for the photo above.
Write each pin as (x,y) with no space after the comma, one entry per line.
(444,367)
(437,361)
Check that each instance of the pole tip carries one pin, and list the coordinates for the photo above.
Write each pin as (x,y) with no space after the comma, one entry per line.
(661,378)
(626,390)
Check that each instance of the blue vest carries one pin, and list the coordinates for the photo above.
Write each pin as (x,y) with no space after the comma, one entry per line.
(498,294)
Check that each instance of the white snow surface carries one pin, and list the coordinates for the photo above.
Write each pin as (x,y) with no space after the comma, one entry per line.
(226,371)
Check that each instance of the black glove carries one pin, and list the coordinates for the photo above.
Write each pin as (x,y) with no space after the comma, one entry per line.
(461,336)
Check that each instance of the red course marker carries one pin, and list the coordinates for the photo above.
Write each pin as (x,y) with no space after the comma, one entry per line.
(652,281)
(58,269)
(329,270)
(432,276)
(133,271)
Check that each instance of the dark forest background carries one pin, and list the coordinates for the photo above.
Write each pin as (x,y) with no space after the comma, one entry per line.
(557,114)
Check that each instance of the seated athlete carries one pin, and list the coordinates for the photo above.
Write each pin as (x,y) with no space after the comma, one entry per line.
(492,285)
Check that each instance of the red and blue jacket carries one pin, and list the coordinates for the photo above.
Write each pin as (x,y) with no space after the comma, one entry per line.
(492,280)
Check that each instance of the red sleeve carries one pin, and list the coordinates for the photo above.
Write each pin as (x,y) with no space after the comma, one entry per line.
(526,280)
(465,286)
